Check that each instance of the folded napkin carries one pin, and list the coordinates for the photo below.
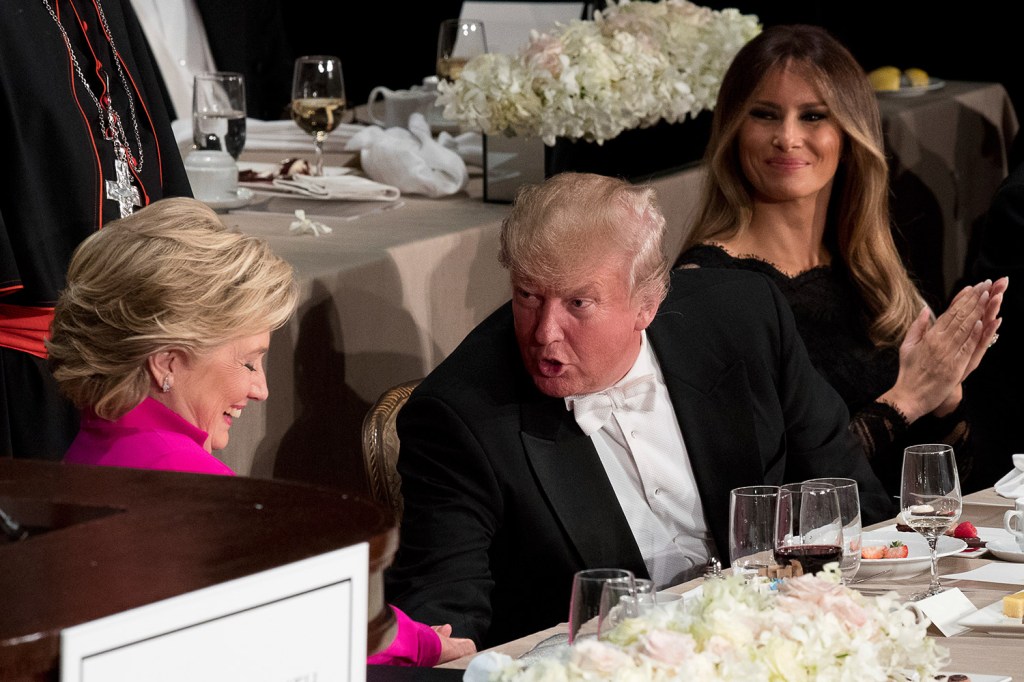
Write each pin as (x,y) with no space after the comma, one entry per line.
(1012,484)
(469,146)
(350,187)
(410,159)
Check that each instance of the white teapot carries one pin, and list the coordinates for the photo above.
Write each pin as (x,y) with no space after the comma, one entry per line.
(398,105)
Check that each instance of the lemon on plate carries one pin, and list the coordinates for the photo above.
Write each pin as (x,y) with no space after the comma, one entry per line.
(885,78)
(916,78)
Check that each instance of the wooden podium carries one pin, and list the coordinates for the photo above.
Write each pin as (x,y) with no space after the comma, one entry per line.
(104,540)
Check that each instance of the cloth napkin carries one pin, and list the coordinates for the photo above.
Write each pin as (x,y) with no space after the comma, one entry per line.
(1012,484)
(350,187)
(469,146)
(410,159)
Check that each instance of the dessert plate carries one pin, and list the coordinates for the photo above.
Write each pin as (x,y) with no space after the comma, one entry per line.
(917,560)
(991,619)
(912,90)
(989,535)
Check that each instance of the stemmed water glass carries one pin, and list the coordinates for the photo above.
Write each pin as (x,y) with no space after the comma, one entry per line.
(849,507)
(752,528)
(930,498)
(318,100)
(808,526)
(591,588)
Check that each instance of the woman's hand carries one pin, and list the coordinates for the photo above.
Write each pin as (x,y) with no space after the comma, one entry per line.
(452,647)
(935,357)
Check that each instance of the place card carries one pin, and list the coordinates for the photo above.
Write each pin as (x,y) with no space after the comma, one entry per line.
(995,572)
(945,609)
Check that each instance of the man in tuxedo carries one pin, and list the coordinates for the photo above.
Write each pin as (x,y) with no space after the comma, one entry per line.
(519,468)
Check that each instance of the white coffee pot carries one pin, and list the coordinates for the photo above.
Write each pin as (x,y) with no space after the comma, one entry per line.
(390,108)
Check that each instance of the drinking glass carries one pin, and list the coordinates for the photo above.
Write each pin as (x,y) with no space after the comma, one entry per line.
(849,507)
(458,41)
(930,498)
(588,591)
(218,112)
(808,526)
(752,528)
(318,100)
(620,602)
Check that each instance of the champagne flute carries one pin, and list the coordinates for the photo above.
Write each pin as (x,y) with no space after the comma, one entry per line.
(849,507)
(808,526)
(218,112)
(318,100)
(930,498)
(458,41)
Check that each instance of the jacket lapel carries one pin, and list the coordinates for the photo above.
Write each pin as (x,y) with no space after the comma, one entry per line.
(577,489)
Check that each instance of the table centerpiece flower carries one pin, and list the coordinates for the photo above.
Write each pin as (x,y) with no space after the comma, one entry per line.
(799,629)
(634,64)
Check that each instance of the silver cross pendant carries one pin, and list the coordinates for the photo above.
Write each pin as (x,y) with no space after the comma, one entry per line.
(122,190)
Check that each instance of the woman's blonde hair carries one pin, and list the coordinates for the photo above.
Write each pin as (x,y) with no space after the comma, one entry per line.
(859,230)
(556,225)
(171,275)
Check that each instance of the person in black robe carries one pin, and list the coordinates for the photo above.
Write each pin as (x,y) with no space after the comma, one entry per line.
(61,182)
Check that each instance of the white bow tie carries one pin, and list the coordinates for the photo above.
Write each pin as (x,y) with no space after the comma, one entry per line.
(592,410)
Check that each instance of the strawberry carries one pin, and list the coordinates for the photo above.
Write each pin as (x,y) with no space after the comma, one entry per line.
(875,552)
(897,550)
(965,530)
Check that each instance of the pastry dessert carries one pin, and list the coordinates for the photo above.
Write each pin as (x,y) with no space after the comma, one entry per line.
(885,78)
(1013,605)
(916,78)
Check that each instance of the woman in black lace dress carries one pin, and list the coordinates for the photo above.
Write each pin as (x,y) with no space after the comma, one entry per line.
(797,190)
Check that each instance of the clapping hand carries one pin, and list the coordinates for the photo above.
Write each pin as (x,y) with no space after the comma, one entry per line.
(937,355)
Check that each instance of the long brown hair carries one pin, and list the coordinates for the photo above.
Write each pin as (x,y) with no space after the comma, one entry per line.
(859,229)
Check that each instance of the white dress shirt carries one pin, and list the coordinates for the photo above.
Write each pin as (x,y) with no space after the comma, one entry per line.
(176,36)
(645,458)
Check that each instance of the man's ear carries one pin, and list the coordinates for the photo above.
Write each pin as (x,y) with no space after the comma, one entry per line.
(645,317)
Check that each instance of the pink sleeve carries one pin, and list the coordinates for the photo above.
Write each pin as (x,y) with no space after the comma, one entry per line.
(415,644)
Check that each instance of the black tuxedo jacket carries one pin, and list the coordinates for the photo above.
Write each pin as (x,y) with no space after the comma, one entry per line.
(506,498)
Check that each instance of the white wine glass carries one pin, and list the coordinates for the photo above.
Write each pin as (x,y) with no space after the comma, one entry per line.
(458,41)
(808,526)
(930,498)
(849,507)
(318,100)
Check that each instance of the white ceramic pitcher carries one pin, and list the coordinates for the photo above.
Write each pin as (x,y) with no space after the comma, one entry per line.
(390,108)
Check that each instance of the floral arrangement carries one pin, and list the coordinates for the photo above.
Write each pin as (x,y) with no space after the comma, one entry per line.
(805,628)
(633,65)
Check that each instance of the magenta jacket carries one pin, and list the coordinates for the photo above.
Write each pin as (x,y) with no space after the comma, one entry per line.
(152,436)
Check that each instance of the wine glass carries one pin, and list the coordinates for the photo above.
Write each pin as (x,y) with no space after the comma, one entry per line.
(318,100)
(588,591)
(458,41)
(930,498)
(218,112)
(621,601)
(808,526)
(849,507)
(752,528)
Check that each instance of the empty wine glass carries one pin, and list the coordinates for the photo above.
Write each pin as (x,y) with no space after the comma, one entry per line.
(752,528)
(930,498)
(588,591)
(620,601)
(849,507)
(808,526)
(318,100)
(458,41)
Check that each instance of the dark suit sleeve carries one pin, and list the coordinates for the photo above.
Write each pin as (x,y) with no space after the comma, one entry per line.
(452,504)
(818,439)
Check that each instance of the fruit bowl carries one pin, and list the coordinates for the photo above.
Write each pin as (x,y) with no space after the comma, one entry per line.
(917,559)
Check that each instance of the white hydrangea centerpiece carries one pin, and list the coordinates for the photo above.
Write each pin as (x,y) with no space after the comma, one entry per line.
(631,66)
(810,628)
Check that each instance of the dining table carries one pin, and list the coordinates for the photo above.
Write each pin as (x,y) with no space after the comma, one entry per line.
(970,652)
(395,286)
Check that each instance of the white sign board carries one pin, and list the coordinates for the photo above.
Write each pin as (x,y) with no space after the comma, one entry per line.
(507,24)
(302,622)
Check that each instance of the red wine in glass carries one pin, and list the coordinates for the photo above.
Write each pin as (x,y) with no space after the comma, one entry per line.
(811,557)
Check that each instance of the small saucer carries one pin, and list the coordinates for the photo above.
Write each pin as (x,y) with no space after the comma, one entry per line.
(243,197)
(1007,551)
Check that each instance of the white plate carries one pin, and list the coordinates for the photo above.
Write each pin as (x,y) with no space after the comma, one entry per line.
(1007,551)
(244,198)
(917,558)
(989,535)
(991,619)
(913,91)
